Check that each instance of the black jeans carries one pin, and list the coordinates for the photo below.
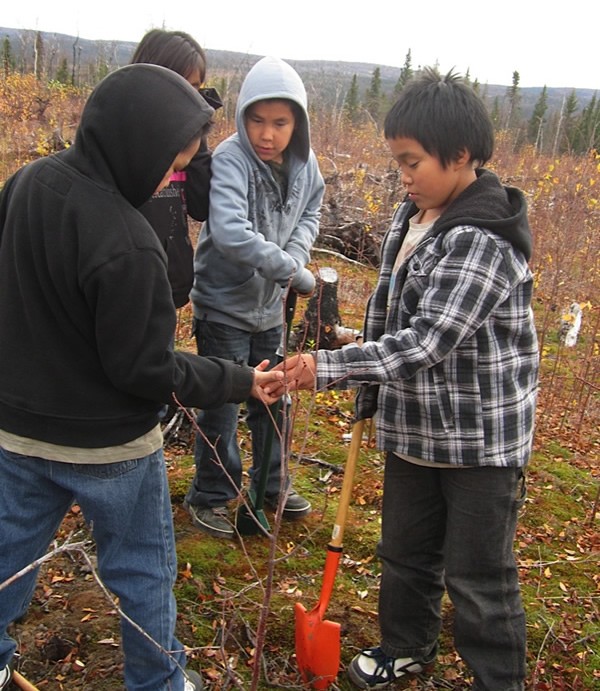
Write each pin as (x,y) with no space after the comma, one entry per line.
(453,529)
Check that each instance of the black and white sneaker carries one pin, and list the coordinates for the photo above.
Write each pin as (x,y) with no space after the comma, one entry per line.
(6,674)
(373,669)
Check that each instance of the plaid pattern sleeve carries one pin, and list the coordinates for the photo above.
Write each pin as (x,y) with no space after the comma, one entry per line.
(455,356)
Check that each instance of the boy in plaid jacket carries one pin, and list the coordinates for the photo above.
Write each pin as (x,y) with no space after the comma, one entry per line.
(448,369)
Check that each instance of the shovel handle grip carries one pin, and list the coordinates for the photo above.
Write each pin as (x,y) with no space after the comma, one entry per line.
(337,534)
(22,683)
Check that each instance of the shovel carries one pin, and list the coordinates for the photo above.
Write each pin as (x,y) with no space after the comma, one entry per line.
(251,518)
(318,641)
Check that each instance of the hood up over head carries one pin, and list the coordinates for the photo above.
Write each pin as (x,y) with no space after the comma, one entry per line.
(272,77)
(133,126)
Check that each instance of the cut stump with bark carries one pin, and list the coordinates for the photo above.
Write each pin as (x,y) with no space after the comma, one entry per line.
(321,326)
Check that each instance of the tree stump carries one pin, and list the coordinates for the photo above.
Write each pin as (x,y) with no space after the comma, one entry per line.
(321,325)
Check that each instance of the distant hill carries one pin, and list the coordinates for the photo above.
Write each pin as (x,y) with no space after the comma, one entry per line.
(326,81)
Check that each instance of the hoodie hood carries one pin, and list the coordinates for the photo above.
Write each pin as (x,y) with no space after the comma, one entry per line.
(486,203)
(141,108)
(272,77)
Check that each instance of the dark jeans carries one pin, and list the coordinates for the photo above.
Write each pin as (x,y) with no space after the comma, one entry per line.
(453,529)
(218,451)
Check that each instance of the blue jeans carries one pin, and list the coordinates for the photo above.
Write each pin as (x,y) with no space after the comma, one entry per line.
(453,529)
(211,487)
(128,507)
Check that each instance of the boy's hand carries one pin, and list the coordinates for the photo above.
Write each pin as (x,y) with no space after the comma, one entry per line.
(299,374)
(273,378)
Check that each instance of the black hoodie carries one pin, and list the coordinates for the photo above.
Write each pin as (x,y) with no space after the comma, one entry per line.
(85,303)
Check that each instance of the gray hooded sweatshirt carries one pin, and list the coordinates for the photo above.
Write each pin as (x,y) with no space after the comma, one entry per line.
(256,238)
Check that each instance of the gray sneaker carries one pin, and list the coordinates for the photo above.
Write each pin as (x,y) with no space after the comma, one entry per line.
(213,521)
(295,505)
(193,681)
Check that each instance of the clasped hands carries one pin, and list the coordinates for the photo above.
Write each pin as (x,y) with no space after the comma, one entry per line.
(296,372)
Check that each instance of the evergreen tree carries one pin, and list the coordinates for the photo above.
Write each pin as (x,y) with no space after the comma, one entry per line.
(62,73)
(8,61)
(513,96)
(103,70)
(373,100)
(535,127)
(496,114)
(568,120)
(351,103)
(406,74)
(587,129)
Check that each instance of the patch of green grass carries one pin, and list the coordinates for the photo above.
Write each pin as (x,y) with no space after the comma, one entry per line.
(559,571)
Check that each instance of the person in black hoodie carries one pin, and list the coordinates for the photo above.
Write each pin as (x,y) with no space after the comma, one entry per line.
(448,369)
(86,361)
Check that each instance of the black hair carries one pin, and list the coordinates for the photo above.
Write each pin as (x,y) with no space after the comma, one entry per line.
(445,115)
(295,107)
(176,50)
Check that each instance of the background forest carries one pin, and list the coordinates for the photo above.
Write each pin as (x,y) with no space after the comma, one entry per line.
(552,120)
(236,599)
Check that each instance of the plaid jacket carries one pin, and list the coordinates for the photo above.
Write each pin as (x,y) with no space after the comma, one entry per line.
(449,365)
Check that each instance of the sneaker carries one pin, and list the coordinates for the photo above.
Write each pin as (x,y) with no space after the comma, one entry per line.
(295,505)
(193,682)
(6,676)
(213,521)
(373,669)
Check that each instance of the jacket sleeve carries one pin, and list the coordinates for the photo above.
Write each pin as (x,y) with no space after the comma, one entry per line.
(134,323)
(454,298)
(197,183)
(306,231)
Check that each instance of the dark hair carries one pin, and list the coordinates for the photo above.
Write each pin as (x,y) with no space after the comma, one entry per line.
(173,49)
(445,115)
(295,107)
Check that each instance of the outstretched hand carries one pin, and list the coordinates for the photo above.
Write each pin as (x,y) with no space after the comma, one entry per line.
(300,373)
(262,378)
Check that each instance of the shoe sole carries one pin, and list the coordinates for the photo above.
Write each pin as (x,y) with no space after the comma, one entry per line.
(358,681)
(206,528)
(294,515)
(290,514)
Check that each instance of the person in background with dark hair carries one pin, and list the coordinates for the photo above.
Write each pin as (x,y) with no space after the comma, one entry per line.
(449,370)
(187,191)
(87,362)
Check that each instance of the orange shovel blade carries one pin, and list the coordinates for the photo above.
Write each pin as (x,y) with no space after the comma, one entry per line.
(317,647)
(317,641)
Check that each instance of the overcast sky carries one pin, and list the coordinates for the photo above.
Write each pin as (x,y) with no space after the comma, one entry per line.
(547,43)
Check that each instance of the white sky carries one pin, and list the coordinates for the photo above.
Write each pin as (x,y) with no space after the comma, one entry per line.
(548,43)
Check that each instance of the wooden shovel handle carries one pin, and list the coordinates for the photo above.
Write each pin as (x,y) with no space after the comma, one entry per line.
(22,683)
(337,534)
